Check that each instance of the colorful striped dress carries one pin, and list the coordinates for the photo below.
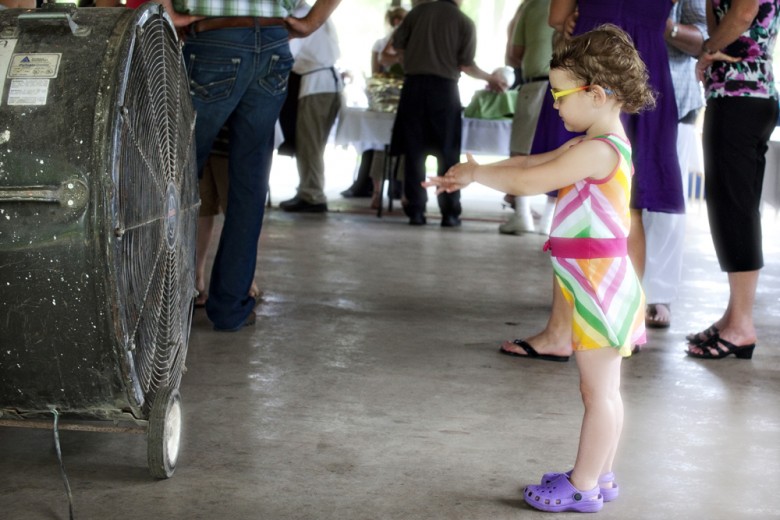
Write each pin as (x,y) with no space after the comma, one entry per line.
(588,243)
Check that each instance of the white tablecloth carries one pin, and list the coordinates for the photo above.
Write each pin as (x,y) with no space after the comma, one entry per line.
(367,130)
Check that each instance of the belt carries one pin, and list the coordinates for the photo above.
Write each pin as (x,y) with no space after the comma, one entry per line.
(536,78)
(586,247)
(234,22)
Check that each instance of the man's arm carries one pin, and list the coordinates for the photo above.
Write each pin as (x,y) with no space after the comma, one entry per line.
(688,34)
(320,12)
(510,56)
(179,20)
(497,82)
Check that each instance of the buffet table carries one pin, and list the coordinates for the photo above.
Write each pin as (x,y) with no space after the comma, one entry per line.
(369,130)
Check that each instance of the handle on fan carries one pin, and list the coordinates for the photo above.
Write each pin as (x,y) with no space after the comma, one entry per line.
(52,14)
(72,194)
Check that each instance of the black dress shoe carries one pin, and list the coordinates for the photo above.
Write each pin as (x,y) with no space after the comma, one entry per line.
(417,220)
(301,206)
(291,202)
(450,221)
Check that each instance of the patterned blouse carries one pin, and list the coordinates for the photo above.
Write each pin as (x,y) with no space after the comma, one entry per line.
(753,76)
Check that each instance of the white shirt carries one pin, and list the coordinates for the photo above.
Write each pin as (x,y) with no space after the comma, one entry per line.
(315,57)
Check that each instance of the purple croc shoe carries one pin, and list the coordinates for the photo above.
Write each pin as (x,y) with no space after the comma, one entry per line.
(609,488)
(559,495)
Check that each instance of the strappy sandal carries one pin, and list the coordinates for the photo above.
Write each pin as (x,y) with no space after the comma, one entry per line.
(697,338)
(607,485)
(559,495)
(722,349)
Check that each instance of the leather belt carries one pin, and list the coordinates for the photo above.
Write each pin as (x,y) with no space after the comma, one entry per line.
(234,22)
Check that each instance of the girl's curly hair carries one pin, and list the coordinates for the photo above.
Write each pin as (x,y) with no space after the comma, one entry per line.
(606,56)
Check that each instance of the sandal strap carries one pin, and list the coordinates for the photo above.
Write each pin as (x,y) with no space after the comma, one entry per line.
(714,342)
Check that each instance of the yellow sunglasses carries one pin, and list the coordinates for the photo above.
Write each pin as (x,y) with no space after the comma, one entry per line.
(558,94)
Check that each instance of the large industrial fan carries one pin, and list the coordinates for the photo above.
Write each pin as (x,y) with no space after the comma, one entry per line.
(98,215)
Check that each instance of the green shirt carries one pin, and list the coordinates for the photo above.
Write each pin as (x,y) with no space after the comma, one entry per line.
(263,8)
(534,34)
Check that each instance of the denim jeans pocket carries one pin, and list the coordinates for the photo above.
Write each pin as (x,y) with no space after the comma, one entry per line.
(212,78)
(277,75)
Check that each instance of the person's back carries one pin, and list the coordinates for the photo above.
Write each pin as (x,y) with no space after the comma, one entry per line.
(437,38)
(436,41)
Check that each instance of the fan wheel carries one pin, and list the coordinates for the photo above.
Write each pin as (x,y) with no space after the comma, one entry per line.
(164,433)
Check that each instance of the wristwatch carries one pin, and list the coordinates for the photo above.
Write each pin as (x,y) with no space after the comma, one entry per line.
(705,47)
(675,29)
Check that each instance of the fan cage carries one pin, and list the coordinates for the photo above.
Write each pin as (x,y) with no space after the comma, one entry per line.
(156,209)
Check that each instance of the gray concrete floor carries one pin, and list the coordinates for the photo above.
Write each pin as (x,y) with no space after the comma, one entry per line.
(371,388)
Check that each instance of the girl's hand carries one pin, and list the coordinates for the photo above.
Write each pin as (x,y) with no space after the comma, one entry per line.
(705,60)
(456,178)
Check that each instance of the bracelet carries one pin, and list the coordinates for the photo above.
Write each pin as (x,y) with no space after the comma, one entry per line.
(675,29)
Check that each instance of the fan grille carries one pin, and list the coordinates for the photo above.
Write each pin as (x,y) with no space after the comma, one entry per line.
(157,205)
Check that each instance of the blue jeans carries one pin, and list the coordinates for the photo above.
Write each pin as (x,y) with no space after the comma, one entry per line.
(238,76)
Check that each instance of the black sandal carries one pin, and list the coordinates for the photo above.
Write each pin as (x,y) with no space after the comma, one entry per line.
(727,348)
(697,338)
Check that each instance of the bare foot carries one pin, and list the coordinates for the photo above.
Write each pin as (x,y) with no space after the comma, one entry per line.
(255,291)
(658,316)
(200,299)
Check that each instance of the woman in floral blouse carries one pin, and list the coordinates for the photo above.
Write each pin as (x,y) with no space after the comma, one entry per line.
(742,108)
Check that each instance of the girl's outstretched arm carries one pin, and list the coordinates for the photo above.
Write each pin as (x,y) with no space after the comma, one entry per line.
(567,165)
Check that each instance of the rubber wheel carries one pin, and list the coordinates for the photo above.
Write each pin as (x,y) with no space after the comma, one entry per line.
(164,433)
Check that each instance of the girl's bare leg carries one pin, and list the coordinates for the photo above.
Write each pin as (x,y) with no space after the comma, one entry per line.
(602,422)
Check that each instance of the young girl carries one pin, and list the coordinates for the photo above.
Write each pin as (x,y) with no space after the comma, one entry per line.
(594,77)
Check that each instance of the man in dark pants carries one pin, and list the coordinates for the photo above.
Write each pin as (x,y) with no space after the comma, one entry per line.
(436,42)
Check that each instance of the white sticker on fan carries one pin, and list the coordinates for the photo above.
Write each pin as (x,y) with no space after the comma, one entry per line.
(28,91)
(6,50)
(35,65)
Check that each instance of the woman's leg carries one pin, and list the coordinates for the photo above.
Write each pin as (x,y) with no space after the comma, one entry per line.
(555,339)
(736,325)
(636,242)
(205,230)
(602,422)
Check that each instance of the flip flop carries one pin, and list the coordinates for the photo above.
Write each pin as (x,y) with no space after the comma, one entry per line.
(530,352)
(559,495)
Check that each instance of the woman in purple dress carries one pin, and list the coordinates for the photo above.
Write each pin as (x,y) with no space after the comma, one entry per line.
(653,135)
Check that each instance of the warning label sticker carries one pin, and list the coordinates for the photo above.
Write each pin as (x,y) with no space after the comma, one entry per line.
(28,91)
(34,65)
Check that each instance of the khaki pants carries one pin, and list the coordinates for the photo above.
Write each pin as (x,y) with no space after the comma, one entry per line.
(316,115)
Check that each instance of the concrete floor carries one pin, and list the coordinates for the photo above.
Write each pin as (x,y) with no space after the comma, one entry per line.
(371,389)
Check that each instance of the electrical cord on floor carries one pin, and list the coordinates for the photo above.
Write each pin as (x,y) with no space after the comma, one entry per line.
(59,459)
